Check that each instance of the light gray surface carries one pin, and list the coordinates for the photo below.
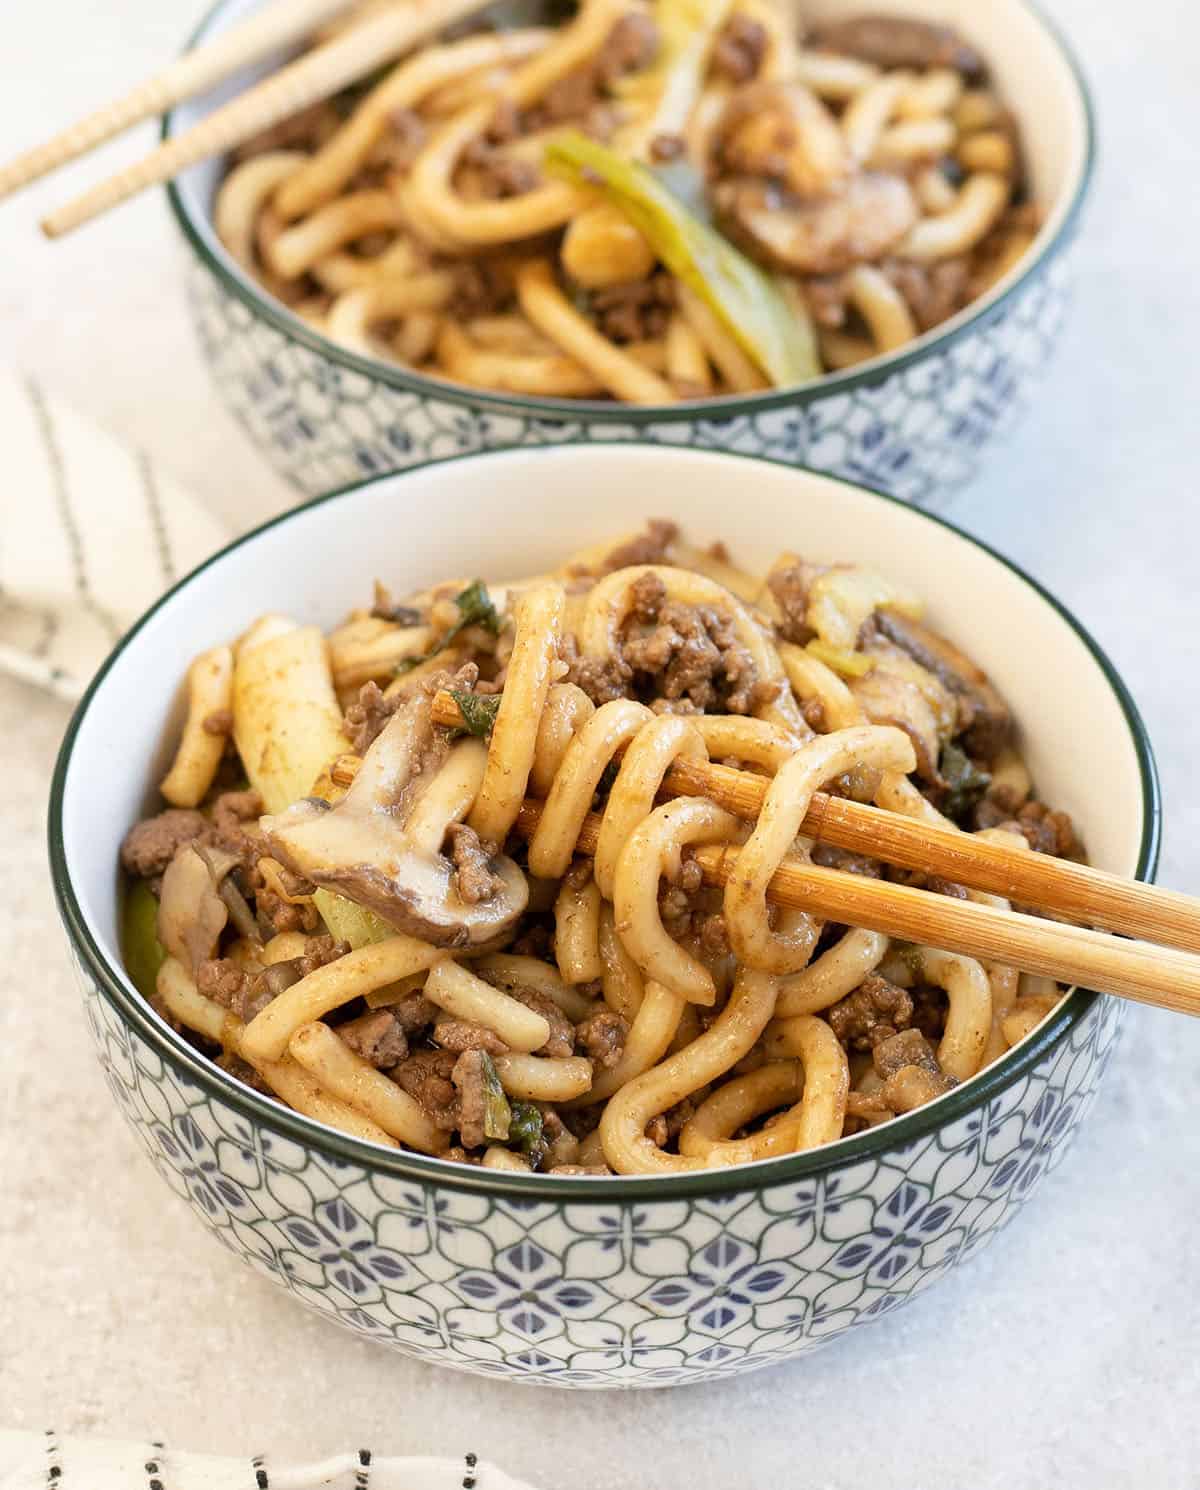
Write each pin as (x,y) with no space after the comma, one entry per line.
(1066,1354)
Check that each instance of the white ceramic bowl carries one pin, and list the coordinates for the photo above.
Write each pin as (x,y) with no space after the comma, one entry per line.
(914,423)
(589,1281)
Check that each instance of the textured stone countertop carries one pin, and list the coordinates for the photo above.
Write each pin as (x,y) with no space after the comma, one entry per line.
(1066,1354)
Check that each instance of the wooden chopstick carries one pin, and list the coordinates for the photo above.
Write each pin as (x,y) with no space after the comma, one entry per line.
(1150,973)
(316,76)
(277,25)
(1107,901)
(1070,954)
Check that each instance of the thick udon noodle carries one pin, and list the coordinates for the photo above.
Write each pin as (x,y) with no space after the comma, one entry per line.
(868,171)
(631,1019)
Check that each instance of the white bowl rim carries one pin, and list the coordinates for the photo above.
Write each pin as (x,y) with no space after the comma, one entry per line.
(976,316)
(116,988)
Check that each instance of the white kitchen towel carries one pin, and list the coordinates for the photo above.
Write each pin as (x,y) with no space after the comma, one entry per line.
(91,532)
(46,1461)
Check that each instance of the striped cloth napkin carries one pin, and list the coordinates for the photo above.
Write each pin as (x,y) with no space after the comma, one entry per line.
(91,533)
(46,1461)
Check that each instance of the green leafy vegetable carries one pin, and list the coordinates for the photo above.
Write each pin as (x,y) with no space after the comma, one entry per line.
(478,710)
(965,782)
(744,297)
(140,946)
(497,1115)
(527,1132)
(475,608)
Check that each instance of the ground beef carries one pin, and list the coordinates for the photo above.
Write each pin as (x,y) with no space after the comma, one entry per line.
(873,1012)
(905,1048)
(739,49)
(826,297)
(649,547)
(536,940)
(366,717)
(813,711)
(150,845)
(481,288)
(562,1031)
(1045,830)
(318,951)
(667,147)
(657,1131)
(692,653)
(601,678)
(789,585)
(894,41)
(281,915)
(602,1038)
(934,292)
(244,1072)
(930,1006)
(227,983)
(378,1037)
(921,879)
(829,857)
(414,1013)
(472,862)
(469,1082)
(495,174)
(308,130)
(631,45)
(426,1075)
(463,1034)
(636,311)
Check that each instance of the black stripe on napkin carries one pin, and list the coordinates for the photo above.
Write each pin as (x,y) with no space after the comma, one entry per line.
(66,514)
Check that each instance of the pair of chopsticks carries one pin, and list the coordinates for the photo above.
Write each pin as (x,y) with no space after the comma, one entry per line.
(1149,970)
(315,76)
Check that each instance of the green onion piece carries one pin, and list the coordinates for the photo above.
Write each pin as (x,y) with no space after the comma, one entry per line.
(966,783)
(744,297)
(475,608)
(478,711)
(140,946)
(845,664)
(497,1115)
(527,1132)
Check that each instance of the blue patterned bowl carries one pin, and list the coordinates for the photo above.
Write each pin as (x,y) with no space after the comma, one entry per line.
(914,424)
(587,1281)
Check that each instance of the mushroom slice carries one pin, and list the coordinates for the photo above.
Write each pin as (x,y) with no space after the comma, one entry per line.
(784,132)
(381,846)
(824,235)
(987,721)
(191,912)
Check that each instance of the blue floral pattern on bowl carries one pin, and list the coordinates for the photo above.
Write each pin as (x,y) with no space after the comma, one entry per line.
(616,1289)
(916,427)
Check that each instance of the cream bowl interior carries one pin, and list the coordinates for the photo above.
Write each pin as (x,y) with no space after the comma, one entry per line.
(1031,67)
(521,511)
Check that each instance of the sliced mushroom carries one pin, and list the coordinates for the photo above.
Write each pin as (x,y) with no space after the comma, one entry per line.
(897,41)
(191,913)
(888,698)
(860,223)
(382,845)
(986,718)
(784,132)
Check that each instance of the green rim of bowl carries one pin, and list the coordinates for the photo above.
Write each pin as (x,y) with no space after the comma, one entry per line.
(887,1138)
(554,410)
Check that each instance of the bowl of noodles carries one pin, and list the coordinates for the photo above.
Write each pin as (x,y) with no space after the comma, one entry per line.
(829,237)
(560,1108)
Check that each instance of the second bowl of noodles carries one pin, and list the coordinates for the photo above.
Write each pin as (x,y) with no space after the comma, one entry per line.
(828,238)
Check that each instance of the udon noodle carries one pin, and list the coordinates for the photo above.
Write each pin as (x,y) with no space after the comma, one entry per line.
(348,906)
(650,202)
